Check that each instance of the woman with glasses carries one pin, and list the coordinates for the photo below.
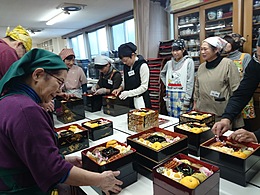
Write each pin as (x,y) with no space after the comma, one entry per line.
(217,79)
(136,77)
(110,78)
(76,81)
(238,101)
(31,162)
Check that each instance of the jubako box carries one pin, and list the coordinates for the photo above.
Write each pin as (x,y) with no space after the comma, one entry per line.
(113,106)
(198,116)
(92,103)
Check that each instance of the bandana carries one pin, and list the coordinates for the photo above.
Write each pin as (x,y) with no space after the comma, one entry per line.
(126,50)
(217,42)
(20,34)
(179,43)
(35,58)
(65,53)
(102,60)
(237,38)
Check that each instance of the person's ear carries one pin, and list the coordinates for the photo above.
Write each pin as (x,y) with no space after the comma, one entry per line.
(38,73)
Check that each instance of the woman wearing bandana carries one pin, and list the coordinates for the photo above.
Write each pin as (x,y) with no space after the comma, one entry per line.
(216,81)
(178,77)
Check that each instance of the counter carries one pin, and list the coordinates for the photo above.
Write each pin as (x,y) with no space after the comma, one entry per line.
(143,185)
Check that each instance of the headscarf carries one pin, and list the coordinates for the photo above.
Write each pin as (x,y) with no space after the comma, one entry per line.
(217,42)
(126,49)
(35,58)
(65,53)
(179,43)
(20,34)
(238,40)
(101,61)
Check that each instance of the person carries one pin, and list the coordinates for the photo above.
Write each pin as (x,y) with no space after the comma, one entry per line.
(136,77)
(31,162)
(217,79)
(239,99)
(178,77)
(241,60)
(13,46)
(76,81)
(110,78)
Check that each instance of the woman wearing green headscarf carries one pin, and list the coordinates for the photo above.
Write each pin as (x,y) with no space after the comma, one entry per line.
(30,160)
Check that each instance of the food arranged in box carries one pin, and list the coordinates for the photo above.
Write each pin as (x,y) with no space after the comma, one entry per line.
(99,128)
(184,175)
(112,105)
(92,103)
(155,145)
(197,134)
(111,155)
(238,162)
(72,138)
(69,110)
(197,116)
(142,119)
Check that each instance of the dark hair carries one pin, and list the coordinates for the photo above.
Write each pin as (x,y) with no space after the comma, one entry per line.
(70,57)
(174,48)
(235,45)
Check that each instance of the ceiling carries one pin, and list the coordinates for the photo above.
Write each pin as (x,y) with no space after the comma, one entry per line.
(33,14)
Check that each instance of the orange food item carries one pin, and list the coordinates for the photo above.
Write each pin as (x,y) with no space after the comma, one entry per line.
(239,154)
(111,143)
(190,182)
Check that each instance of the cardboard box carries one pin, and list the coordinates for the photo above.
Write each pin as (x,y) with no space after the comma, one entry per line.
(142,119)
(194,139)
(71,110)
(98,128)
(232,168)
(92,103)
(164,152)
(124,164)
(69,142)
(112,105)
(196,116)
(167,186)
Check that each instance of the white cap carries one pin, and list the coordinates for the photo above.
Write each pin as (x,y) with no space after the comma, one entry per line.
(102,60)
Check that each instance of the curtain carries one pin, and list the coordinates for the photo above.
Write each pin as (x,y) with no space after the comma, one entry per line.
(151,24)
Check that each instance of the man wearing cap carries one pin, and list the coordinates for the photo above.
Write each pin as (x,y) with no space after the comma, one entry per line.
(110,78)
(239,99)
(136,77)
(76,81)
(13,46)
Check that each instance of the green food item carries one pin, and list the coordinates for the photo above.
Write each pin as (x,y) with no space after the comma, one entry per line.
(200,176)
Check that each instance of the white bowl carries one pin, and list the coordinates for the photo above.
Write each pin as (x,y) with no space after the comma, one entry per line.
(212,15)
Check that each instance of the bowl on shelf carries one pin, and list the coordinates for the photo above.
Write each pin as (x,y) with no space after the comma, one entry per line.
(212,15)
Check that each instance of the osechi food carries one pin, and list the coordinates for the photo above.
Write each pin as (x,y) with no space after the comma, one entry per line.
(197,115)
(194,127)
(96,123)
(70,131)
(185,172)
(240,150)
(112,151)
(156,140)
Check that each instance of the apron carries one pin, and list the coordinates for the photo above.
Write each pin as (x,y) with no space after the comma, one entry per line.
(7,177)
(176,82)
(248,112)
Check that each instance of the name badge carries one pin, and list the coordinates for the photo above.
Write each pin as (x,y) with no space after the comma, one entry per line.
(131,73)
(110,82)
(215,94)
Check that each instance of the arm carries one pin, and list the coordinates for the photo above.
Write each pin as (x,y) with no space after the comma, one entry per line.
(117,81)
(196,91)
(246,61)
(190,81)
(164,72)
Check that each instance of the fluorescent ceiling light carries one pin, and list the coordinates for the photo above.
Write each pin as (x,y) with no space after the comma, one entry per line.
(61,16)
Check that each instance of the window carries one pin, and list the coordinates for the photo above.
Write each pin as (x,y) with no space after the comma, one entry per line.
(98,42)
(79,47)
(123,32)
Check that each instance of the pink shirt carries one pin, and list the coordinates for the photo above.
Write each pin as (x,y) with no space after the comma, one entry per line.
(75,78)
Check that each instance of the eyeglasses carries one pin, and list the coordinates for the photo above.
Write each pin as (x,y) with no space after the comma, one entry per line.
(61,82)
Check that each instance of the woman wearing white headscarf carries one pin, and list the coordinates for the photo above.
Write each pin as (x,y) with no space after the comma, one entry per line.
(217,79)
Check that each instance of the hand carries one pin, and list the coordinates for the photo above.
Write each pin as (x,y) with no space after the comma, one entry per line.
(242,135)
(219,128)
(49,107)
(101,91)
(109,182)
(124,95)
(116,91)
(66,96)
(75,160)
(94,88)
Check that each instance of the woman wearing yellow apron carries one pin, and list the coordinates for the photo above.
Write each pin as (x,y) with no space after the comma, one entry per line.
(235,42)
(178,77)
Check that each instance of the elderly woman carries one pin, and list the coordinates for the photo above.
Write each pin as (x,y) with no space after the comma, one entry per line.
(28,144)
(76,81)
(217,79)
(110,78)
(136,77)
